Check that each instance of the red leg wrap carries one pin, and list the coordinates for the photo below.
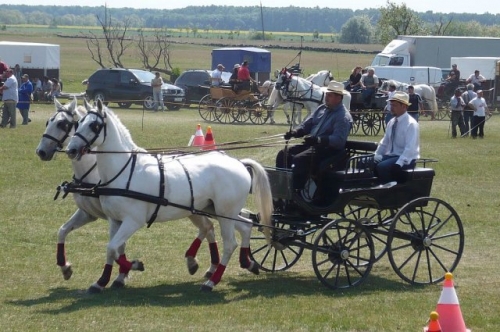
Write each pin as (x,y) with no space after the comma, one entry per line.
(193,249)
(61,256)
(244,258)
(122,268)
(125,265)
(106,275)
(216,277)
(214,253)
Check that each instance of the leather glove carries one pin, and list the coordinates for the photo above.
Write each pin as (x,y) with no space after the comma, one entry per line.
(311,140)
(290,134)
(397,173)
(378,158)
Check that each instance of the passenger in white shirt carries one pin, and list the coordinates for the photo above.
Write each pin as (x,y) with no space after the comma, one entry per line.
(400,147)
(479,118)
(476,79)
(217,75)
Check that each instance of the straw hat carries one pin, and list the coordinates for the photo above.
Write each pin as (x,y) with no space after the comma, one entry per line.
(401,97)
(335,87)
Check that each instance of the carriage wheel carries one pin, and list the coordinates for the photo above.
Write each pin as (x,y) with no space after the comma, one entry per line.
(258,114)
(443,110)
(206,108)
(240,112)
(377,221)
(279,257)
(224,110)
(355,122)
(426,240)
(371,123)
(383,121)
(342,254)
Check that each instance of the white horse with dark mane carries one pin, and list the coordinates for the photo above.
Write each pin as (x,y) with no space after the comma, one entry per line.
(60,126)
(425,91)
(321,78)
(295,89)
(138,188)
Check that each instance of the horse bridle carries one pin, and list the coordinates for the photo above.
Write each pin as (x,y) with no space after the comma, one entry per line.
(96,128)
(65,125)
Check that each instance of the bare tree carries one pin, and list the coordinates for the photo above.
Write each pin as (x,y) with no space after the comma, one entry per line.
(440,27)
(155,51)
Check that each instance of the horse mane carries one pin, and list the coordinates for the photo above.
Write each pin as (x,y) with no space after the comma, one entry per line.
(122,130)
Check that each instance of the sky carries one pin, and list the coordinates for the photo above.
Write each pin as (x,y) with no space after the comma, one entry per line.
(442,6)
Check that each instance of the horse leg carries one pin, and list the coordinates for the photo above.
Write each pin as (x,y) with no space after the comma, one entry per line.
(245,230)
(285,109)
(77,220)
(229,244)
(206,230)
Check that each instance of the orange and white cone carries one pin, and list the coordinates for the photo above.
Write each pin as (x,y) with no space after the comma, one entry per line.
(209,140)
(198,139)
(448,308)
(434,325)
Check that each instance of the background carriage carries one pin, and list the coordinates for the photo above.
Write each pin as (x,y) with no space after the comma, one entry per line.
(370,119)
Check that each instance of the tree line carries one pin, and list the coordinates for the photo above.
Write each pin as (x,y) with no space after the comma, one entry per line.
(374,25)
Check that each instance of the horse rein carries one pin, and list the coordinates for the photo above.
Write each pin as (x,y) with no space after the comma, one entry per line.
(66,126)
(96,128)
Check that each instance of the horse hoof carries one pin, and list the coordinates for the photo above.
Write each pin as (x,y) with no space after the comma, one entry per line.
(94,290)
(137,266)
(117,284)
(206,288)
(67,272)
(208,275)
(192,265)
(192,269)
(255,268)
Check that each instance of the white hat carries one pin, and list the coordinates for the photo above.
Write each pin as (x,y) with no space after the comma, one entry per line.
(236,66)
(220,66)
(401,97)
(335,87)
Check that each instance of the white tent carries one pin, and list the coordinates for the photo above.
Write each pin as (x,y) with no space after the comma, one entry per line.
(30,55)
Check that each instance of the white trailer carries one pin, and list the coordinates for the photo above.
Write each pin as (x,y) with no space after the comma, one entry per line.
(434,51)
(35,59)
(411,75)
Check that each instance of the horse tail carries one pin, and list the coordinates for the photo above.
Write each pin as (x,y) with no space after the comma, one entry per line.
(262,194)
(434,100)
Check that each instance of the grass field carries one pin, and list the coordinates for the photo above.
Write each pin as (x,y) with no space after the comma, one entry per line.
(34,296)
(165,298)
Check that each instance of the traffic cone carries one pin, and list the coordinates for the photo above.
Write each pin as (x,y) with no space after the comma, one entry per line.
(209,140)
(434,325)
(198,139)
(448,308)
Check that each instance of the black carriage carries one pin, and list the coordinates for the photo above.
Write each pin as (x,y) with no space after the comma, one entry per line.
(422,236)
(227,106)
(369,117)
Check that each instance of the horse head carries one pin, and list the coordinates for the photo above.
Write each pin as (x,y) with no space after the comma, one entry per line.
(59,127)
(321,78)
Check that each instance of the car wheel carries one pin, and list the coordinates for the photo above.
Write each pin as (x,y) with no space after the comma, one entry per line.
(124,105)
(100,95)
(173,107)
(148,102)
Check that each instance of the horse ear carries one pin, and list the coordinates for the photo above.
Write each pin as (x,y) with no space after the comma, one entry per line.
(57,104)
(99,105)
(87,105)
(72,105)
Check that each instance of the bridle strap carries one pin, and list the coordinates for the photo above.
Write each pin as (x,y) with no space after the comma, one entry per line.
(88,144)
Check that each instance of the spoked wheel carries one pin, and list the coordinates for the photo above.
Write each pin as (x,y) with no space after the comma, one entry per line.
(425,241)
(280,256)
(206,108)
(356,119)
(371,123)
(258,114)
(224,110)
(342,255)
(443,110)
(240,112)
(378,222)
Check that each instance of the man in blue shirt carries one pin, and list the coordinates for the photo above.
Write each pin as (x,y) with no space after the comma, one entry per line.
(325,134)
(400,147)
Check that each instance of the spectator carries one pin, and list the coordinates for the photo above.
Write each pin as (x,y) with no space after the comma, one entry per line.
(389,93)
(476,79)
(56,89)
(216,75)
(37,89)
(468,108)
(327,129)
(479,118)
(9,98)
(233,80)
(17,72)
(46,88)
(452,80)
(354,80)
(25,91)
(416,103)
(157,83)
(3,68)
(244,76)
(457,106)
(399,149)
(369,85)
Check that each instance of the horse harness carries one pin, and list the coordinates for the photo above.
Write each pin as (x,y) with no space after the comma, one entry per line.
(306,96)
(96,190)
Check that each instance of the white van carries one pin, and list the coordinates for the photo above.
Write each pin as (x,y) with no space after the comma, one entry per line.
(411,75)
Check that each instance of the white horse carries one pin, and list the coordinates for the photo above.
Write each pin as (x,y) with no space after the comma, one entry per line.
(321,78)
(139,188)
(292,88)
(425,91)
(60,126)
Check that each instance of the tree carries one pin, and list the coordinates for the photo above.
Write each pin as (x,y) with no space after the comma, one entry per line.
(398,20)
(155,51)
(357,30)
